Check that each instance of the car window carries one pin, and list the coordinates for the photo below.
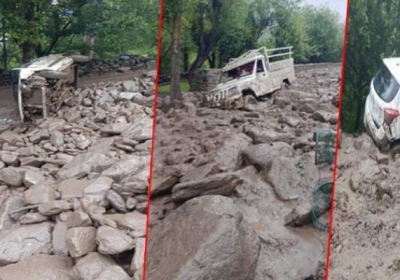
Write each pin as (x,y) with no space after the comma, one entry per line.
(238,72)
(385,84)
(260,66)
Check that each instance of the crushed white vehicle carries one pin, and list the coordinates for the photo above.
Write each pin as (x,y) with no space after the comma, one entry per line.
(382,106)
(33,83)
(251,76)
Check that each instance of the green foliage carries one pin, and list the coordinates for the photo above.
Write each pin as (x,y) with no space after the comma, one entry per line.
(37,28)
(217,30)
(373,34)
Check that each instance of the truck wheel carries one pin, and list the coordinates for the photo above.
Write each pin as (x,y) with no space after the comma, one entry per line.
(249,100)
(79,58)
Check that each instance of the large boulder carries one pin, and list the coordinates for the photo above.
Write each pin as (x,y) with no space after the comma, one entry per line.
(206,238)
(39,267)
(25,241)
(261,154)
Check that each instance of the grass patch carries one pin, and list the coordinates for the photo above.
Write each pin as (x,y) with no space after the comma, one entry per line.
(167,88)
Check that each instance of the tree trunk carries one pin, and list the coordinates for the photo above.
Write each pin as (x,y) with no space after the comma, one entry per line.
(88,39)
(185,60)
(212,60)
(28,52)
(175,61)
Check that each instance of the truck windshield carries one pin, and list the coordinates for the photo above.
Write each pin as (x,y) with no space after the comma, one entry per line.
(385,84)
(237,73)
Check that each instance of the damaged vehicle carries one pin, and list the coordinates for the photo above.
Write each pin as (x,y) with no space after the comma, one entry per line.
(34,83)
(248,78)
(381,114)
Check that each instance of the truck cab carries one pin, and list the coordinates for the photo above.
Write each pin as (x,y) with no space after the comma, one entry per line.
(253,75)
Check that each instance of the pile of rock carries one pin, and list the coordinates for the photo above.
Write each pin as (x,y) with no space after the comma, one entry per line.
(228,185)
(73,192)
(204,79)
(121,63)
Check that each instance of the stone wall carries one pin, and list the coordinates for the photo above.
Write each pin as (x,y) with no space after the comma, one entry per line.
(98,66)
(204,79)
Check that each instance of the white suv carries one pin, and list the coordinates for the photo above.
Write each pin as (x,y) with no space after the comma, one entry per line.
(381,116)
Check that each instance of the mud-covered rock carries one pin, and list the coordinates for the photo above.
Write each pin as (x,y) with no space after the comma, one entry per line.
(210,231)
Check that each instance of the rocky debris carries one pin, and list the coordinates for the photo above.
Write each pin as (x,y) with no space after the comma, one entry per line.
(221,184)
(286,184)
(263,160)
(367,196)
(214,235)
(25,241)
(112,241)
(39,267)
(68,190)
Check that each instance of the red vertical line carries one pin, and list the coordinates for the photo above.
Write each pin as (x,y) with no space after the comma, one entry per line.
(160,24)
(328,253)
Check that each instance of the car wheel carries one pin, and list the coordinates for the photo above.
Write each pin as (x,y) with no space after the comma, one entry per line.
(249,100)
(51,74)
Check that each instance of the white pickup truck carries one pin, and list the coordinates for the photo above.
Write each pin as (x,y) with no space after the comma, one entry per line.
(251,76)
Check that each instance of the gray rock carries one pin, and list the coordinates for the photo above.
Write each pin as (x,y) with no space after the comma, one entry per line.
(32,178)
(206,238)
(322,116)
(162,184)
(114,273)
(260,155)
(229,155)
(299,216)
(79,219)
(138,258)
(221,184)
(10,137)
(133,221)
(73,188)
(11,159)
(130,167)
(113,241)
(12,176)
(39,267)
(32,218)
(59,240)
(54,207)
(25,241)
(116,201)
(40,193)
(83,165)
(56,138)
(130,86)
(269,136)
(115,128)
(283,176)
(91,266)
(81,240)
(9,204)
(140,130)
(200,172)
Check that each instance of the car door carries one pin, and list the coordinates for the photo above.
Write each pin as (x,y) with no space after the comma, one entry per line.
(262,76)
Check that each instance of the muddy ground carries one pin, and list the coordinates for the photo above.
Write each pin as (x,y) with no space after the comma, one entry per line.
(73,187)
(366,227)
(223,178)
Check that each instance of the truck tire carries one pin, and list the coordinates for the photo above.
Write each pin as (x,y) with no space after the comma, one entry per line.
(51,74)
(79,58)
(249,99)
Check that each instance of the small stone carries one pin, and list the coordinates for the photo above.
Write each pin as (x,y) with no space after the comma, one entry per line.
(79,219)
(32,178)
(113,241)
(114,273)
(57,138)
(32,218)
(131,203)
(54,207)
(10,159)
(81,240)
(116,201)
(59,240)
